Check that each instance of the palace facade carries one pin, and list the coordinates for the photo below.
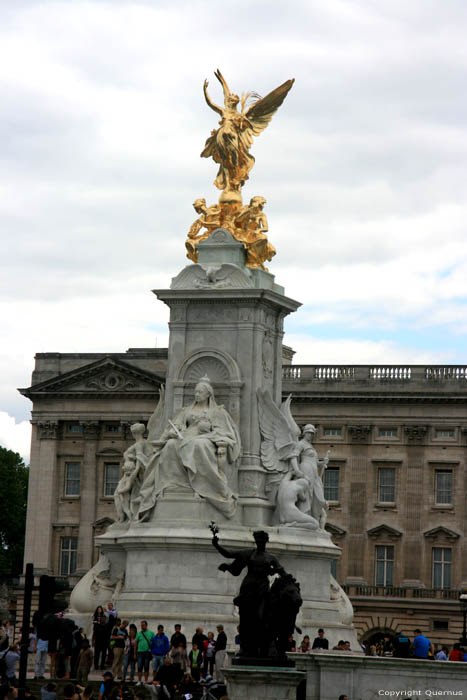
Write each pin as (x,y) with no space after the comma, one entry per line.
(396,482)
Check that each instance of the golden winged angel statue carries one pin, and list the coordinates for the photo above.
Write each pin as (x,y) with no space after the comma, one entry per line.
(229,145)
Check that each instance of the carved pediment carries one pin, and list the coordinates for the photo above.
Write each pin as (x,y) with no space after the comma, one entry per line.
(106,376)
(442,533)
(334,530)
(384,532)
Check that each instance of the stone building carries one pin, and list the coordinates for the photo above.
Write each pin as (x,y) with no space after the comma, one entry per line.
(396,480)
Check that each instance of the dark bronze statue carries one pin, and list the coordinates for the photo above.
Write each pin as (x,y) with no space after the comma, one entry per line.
(267,614)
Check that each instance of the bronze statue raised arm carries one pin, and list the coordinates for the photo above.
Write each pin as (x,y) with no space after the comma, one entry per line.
(229,145)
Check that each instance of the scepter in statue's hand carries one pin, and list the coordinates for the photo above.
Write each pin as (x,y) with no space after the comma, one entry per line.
(214,529)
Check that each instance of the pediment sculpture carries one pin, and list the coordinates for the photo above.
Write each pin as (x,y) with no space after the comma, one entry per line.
(295,472)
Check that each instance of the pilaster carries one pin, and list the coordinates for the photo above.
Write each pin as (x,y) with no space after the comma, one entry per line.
(88,495)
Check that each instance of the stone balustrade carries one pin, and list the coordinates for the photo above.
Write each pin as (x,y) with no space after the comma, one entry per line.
(375,373)
(364,591)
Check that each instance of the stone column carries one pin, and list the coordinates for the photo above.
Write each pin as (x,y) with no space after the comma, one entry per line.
(358,465)
(88,497)
(42,496)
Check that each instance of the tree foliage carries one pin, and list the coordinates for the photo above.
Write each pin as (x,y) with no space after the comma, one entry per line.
(13,503)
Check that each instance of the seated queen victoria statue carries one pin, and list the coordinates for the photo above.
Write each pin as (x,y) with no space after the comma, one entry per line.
(192,452)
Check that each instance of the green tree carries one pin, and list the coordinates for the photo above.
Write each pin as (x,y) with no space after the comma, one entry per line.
(13,503)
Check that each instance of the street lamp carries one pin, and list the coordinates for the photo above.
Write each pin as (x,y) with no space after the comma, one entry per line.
(463,604)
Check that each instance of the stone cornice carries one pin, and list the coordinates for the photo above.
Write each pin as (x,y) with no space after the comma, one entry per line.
(441,532)
(384,531)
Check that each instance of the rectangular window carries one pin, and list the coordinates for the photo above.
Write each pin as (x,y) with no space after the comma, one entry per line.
(445,433)
(387,432)
(112,428)
(442,567)
(331,484)
(72,478)
(443,487)
(68,551)
(332,432)
(75,428)
(386,485)
(112,477)
(384,565)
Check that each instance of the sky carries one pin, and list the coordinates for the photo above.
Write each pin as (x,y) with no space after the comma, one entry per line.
(363,168)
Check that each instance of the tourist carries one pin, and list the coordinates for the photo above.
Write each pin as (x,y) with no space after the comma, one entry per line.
(49,691)
(456,653)
(84,664)
(160,647)
(442,655)
(168,677)
(421,645)
(143,651)
(179,658)
(78,637)
(320,642)
(88,692)
(304,647)
(178,637)
(199,638)
(402,646)
(343,697)
(209,652)
(107,686)
(42,647)
(4,637)
(187,686)
(220,652)
(11,658)
(119,636)
(99,637)
(195,658)
(339,646)
(347,646)
(69,692)
(129,658)
(290,644)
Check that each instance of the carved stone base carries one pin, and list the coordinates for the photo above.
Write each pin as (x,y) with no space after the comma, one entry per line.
(251,683)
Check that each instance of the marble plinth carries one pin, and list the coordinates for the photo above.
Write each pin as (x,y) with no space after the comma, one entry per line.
(330,674)
(250,683)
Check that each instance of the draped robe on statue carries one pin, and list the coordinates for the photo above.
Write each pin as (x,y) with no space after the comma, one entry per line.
(192,460)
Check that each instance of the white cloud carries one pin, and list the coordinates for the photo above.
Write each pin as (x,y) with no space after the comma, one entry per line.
(363,168)
(15,436)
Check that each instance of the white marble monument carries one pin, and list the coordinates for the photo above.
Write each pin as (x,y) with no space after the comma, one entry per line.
(219,447)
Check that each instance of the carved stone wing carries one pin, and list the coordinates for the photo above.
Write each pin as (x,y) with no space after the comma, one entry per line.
(156,423)
(260,113)
(285,410)
(278,440)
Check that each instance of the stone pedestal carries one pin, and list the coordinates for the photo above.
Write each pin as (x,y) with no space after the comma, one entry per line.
(259,683)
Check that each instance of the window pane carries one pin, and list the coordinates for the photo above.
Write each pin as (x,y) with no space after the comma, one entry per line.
(387,479)
(112,477)
(331,484)
(384,565)
(72,478)
(332,432)
(388,432)
(68,551)
(442,567)
(443,486)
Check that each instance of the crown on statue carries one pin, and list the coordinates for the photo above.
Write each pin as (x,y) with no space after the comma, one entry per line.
(205,380)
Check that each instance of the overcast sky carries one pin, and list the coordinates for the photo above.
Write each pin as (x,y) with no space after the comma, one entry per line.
(364,169)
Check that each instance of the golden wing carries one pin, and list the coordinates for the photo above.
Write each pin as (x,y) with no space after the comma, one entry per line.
(260,113)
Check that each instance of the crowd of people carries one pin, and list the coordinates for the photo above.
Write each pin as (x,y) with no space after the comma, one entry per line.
(420,647)
(149,659)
